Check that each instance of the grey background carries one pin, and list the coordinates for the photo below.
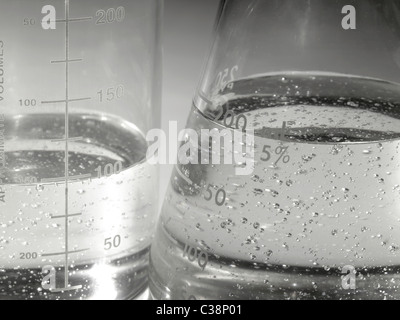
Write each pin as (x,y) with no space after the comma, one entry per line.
(187,35)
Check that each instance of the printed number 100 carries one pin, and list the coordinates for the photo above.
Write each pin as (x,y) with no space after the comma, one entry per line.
(109,170)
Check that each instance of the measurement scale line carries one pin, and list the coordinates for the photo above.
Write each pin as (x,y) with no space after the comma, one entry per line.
(284,128)
(66,100)
(71,215)
(183,176)
(66,289)
(204,98)
(65,61)
(70,178)
(74,19)
(63,253)
(79,177)
(69,139)
(66,231)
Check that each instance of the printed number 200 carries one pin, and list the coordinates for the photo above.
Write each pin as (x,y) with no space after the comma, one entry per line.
(111,15)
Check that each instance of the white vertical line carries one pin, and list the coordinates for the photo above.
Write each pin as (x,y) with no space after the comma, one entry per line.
(66,140)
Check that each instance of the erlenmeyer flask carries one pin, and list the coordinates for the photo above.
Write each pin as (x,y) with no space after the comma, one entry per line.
(318,218)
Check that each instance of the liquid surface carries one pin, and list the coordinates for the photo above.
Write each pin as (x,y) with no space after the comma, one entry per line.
(324,194)
(111,200)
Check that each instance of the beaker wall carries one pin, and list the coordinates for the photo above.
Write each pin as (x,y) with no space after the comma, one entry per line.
(80,88)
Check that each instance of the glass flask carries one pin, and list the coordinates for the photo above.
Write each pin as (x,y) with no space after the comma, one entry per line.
(317,84)
(79,88)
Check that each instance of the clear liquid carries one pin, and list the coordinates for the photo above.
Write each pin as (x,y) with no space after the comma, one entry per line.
(286,231)
(112,211)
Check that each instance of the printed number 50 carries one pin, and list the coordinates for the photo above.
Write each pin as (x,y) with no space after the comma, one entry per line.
(110,243)
(220,196)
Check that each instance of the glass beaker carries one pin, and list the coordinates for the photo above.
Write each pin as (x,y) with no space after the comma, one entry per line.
(317,83)
(79,89)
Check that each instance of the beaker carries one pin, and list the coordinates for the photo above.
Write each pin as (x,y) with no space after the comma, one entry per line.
(317,217)
(79,89)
